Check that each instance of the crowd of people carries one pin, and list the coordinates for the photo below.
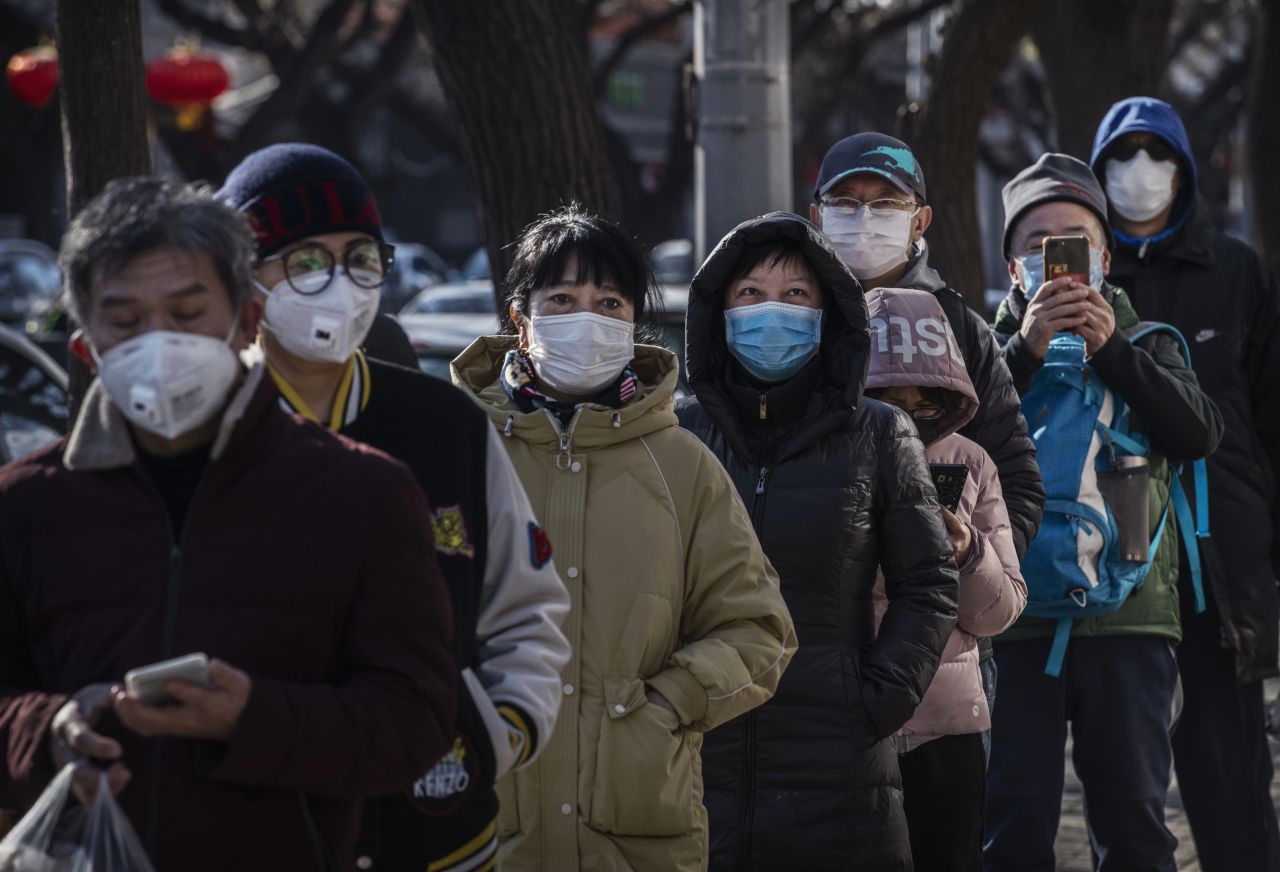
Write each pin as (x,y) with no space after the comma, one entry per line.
(555,616)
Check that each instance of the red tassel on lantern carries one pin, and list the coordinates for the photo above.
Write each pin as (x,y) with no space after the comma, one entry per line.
(33,74)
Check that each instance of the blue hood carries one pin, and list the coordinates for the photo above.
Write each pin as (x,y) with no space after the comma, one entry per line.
(1149,115)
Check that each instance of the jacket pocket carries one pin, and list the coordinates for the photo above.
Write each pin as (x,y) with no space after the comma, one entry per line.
(861,726)
(644,779)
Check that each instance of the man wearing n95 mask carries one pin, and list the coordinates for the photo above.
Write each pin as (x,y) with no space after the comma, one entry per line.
(170,522)
(321,264)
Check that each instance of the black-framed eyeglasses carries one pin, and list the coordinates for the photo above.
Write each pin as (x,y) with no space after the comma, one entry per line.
(884,204)
(367,261)
(1124,149)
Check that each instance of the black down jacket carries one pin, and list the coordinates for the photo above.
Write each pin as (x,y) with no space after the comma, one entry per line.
(836,484)
(1226,303)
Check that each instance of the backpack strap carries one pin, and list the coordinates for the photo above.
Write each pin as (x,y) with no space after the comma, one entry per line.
(1194,525)
(1058,652)
(1193,529)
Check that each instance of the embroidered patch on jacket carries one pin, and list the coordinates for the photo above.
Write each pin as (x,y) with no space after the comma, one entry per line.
(539,546)
(451,532)
(442,790)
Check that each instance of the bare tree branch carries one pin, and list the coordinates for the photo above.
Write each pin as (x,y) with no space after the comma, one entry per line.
(323,44)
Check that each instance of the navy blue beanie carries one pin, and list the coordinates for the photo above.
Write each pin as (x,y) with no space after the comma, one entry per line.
(293,191)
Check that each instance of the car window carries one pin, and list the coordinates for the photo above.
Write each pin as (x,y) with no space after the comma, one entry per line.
(436,366)
(445,303)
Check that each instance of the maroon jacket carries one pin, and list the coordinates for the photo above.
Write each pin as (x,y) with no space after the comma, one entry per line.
(306,560)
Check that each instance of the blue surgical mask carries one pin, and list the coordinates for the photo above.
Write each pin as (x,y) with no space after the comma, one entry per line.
(773,340)
(1031,272)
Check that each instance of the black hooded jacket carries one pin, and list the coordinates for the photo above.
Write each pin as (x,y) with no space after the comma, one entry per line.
(837,484)
(1222,298)
(998,426)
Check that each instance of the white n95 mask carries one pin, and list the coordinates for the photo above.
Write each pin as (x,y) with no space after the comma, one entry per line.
(580,353)
(166,382)
(318,317)
(1141,187)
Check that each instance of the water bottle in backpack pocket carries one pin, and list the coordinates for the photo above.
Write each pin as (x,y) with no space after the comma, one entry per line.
(1095,544)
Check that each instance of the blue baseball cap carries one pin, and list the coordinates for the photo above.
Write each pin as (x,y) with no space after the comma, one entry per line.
(871,153)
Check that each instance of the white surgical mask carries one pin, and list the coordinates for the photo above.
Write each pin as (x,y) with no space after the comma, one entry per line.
(581,353)
(870,243)
(327,326)
(1140,188)
(169,383)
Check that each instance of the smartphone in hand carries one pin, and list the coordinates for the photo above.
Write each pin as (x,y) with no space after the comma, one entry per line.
(1066,256)
(146,683)
(948,480)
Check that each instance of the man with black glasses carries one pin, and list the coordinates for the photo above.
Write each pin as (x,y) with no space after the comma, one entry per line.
(322,263)
(1180,269)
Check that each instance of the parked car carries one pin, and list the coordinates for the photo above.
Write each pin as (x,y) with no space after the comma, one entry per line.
(33,397)
(30,280)
(438,338)
(439,331)
(416,267)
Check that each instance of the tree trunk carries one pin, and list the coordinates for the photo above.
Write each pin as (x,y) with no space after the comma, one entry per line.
(1096,52)
(516,81)
(104,110)
(1263,131)
(977,42)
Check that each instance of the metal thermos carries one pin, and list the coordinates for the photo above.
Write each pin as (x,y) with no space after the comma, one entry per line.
(1124,487)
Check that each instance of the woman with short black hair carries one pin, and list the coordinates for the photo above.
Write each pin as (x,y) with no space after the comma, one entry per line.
(676,622)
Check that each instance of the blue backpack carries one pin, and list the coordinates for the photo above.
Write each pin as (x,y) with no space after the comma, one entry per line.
(1074,567)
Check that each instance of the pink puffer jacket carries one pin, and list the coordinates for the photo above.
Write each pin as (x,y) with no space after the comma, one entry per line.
(913,345)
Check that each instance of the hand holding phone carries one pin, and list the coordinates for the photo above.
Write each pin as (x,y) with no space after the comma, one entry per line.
(208,698)
(147,683)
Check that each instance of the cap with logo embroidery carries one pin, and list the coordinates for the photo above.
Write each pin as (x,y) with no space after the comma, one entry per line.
(874,153)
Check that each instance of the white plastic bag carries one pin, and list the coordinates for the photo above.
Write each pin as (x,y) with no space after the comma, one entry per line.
(57,836)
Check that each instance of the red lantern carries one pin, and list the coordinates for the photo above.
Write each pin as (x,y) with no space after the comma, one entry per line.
(184,77)
(33,74)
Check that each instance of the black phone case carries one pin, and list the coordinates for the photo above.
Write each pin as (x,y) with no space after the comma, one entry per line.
(948,480)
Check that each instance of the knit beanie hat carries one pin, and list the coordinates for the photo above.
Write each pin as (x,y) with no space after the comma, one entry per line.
(293,191)
(1055,177)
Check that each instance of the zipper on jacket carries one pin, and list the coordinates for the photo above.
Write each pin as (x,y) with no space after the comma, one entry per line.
(313,833)
(760,482)
(764,407)
(169,618)
(749,721)
(748,793)
(565,457)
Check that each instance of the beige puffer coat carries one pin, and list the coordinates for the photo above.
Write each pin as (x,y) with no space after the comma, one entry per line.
(669,590)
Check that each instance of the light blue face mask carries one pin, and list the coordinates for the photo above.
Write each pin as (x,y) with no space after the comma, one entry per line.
(773,340)
(1031,272)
